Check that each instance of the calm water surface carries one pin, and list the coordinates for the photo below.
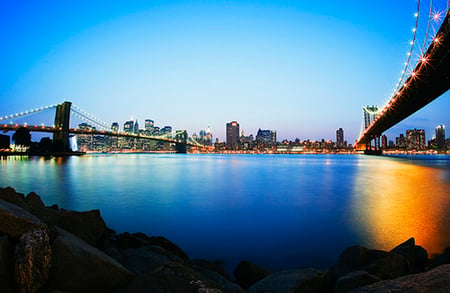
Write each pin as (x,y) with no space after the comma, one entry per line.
(277,211)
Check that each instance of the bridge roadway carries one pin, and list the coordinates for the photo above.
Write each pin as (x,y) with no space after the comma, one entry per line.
(48,129)
(431,80)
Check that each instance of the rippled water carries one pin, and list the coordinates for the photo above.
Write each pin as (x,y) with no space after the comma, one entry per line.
(279,211)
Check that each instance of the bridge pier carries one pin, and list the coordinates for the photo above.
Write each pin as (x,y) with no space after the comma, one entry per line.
(377,151)
(180,145)
(62,121)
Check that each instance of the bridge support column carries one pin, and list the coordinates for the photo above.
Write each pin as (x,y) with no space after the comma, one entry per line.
(373,150)
(62,121)
(181,138)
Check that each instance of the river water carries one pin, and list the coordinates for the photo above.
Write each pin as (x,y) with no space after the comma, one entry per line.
(278,211)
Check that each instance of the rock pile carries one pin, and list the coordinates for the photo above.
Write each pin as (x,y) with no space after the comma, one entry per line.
(48,249)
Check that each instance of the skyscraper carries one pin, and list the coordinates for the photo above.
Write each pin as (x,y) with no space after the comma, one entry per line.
(340,138)
(266,138)
(440,136)
(149,124)
(233,135)
(415,139)
(128,126)
(115,126)
(136,127)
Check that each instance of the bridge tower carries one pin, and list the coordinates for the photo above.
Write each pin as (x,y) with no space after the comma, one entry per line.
(62,120)
(181,139)
(370,114)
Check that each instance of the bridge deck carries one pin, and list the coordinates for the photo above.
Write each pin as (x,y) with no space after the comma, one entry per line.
(430,81)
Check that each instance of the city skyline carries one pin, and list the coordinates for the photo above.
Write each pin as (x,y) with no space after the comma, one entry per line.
(302,69)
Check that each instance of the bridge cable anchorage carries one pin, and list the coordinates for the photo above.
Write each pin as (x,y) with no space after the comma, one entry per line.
(27,113)
(80,113)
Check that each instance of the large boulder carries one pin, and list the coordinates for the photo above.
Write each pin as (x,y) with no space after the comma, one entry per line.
(6,265)
(176,277)
(215,273)
(15,221)
(88,225)
(436,281)
(354,280)
(388,265)
(247,274)
(304,280)
(10,195)
(80,267)
(33,258)
(416,257)
(383,264)
(143,260)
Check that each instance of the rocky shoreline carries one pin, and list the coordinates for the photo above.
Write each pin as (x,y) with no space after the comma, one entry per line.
(48,249)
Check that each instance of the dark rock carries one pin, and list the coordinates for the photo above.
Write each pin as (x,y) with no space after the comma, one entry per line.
(247,274)
(416,257)
(88,226)
(216,267)
(354,257)
(383,264)
(354,280)
(10,195)
(305,280)
(143,260)
(15,221)
(389,266)
(6,265)
(33,258)
(441,258)
(176,277)
(34,200)
(136,240)
(169,246)
(436,280)
(79,267)
(222,281)
(54,207)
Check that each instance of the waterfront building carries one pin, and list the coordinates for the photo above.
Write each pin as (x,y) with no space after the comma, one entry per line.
(440,136)
(85,142)
(400,142)
(115,126)
(266,138)
(148,124)
(340,138)
(247,142)
(415,139)
(233,135)
(128,126)
(136,127)
(384,142)
(166,130)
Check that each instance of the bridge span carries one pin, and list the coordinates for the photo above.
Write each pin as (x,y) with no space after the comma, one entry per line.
(429,80)
(61,131)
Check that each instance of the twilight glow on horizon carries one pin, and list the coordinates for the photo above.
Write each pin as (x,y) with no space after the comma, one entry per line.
(302,68)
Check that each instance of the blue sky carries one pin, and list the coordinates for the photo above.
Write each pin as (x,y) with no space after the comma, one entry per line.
(302,68)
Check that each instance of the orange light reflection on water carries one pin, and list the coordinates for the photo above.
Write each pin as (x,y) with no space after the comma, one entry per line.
(395,200)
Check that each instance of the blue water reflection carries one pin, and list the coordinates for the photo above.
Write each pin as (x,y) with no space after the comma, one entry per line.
(278,211)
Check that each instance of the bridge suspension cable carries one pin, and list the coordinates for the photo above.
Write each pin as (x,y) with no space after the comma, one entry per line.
(80,113)
(27,113)
(421,41)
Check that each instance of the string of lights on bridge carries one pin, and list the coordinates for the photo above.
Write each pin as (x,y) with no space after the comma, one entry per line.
(26,113)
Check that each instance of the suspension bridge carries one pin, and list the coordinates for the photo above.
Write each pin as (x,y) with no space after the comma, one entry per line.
(62,131)
(422,80)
